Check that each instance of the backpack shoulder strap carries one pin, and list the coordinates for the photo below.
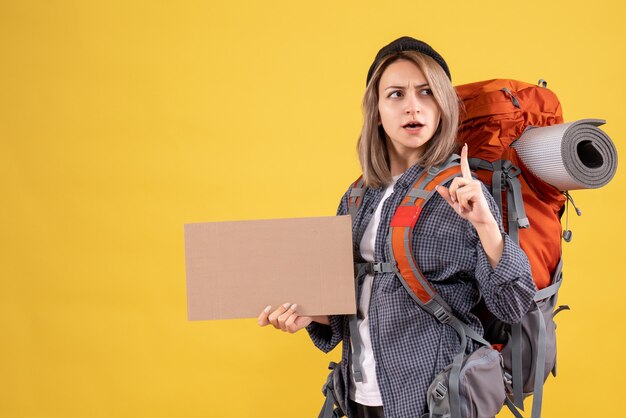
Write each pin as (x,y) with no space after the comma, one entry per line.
(400,233)
(357,191)
(412,278)
(355,198)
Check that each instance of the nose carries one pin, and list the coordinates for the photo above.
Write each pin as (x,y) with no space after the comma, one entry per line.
(413,105)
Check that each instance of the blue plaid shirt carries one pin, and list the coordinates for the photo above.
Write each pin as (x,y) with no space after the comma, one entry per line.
(410,346)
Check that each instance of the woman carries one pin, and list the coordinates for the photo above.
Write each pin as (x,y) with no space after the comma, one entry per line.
(411,115)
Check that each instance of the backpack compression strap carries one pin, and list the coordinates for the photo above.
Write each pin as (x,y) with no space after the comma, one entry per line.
(505,177)
(411,277)
(356,196)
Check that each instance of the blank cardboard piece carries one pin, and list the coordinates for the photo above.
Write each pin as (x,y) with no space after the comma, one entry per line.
(236,269)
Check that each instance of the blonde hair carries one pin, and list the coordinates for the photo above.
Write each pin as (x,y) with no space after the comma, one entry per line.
(372,148)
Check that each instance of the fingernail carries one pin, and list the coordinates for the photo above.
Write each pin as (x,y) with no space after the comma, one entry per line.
(267,308)
(294,306)
(436,187)
(287,305)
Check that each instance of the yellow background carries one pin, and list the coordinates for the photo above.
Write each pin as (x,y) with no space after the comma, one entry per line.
(122,120)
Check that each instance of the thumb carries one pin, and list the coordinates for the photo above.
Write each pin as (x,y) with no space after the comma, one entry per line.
(445,193)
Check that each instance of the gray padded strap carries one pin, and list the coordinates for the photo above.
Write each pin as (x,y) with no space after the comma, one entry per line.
(355,337)
(417,193)
(478,163)
(518,202)
(329,405)
(539,367)
(512,408)
(474,335)
(496,178)
(434,170)
(417,189)
(352,210)
(546,292)
(330,401)
(356,343)
(356,191)
(455,371)
(512,218)
(515,204)
(453,159)
(496,184)
(516,354)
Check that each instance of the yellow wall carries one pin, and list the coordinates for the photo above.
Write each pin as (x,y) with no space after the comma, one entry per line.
(122,120)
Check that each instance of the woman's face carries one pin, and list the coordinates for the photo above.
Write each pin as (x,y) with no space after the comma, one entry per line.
(407,108)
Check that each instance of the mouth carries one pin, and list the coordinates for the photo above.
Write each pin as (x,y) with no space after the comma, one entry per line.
(413,125)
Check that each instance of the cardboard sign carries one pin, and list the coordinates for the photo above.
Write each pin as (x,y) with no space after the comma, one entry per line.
(236,269)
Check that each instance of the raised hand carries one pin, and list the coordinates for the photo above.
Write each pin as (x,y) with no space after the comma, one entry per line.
(466,197)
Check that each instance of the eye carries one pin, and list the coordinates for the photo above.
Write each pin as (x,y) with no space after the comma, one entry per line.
(394,94)
(426,92)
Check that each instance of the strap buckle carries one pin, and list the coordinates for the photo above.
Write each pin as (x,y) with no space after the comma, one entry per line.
(380,267)
(440,391)
(510,170)
(442,315)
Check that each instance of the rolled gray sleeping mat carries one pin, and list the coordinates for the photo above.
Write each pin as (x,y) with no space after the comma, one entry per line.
(569,156)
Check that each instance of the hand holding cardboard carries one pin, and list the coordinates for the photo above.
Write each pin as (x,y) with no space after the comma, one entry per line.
(236,269)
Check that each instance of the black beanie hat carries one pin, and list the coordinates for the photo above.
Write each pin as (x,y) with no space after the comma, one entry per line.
(406,43)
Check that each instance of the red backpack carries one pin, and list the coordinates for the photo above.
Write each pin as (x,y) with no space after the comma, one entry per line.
(496,113)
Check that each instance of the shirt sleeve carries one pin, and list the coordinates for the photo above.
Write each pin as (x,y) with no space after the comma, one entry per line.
(326,337)
(508,289)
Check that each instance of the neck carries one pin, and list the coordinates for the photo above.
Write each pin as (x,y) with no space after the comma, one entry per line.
(399,162)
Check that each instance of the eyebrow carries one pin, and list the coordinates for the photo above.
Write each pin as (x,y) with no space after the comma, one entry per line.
(403,87)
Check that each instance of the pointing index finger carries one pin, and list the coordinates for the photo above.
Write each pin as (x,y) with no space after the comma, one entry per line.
(465,167)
